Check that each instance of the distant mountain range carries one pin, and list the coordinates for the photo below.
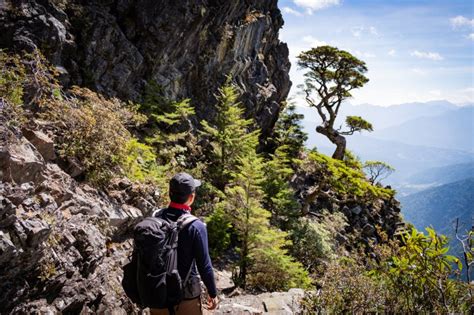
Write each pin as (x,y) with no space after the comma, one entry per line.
(453,129)
(443,175)
(441,206)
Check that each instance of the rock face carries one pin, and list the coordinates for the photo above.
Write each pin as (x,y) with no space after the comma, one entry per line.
(187,47)
(62,243)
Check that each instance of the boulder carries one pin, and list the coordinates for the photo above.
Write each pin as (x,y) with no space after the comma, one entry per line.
(42,142)
(20,162)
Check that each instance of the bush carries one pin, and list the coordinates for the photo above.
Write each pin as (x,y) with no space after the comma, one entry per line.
(411,277)
(272,268)
(312,243)
(139,163)
(93,131)
(345,180)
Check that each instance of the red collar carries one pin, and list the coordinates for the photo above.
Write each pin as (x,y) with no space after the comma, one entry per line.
(180,206)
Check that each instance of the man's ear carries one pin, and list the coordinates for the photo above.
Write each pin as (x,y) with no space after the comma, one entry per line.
(191,198)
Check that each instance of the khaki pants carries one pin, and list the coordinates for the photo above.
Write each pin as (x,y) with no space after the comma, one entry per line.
(186,307)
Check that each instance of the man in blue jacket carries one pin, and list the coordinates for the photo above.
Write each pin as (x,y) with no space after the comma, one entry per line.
(193,250)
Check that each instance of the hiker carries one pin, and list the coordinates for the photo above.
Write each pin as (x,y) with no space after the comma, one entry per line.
(192,249)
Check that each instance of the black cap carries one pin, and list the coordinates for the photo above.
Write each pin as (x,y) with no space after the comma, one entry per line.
(183,185)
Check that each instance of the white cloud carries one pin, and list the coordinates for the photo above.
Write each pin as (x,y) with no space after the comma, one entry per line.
(418,71)
(313,42)
(392,52)
(436,93)
(361,54)
(471,36)
(460,21)
(358,31)
(373,31)
(291,11)
(314,5)
(426,55)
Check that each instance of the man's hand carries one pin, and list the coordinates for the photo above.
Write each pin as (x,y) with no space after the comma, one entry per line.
(212,303)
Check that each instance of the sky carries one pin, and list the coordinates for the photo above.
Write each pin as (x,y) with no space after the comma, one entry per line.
(416,51)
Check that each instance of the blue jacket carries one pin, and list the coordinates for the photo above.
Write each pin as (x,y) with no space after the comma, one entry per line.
(193,247)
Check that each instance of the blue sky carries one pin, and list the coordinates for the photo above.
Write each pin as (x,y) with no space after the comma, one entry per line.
(415,50)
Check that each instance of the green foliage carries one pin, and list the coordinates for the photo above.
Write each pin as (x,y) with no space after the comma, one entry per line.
(271,267)
(264,262)
(219,229)
(92,130)
(377,170)
(26,82)
(357,123)
(352,161)
(421,275)
(288,132)
(154,101)
(139,163)
(229,136)
(413,277)
(333,66)
(314,240)
(171,128)
(346,289)
(12,78)
(312,243)
(343,179)
(279,197)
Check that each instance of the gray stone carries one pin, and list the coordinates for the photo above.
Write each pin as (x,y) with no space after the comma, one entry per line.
(36,230)
(7,249)
(368,230)
(356,210)
(42,142)
(20,162)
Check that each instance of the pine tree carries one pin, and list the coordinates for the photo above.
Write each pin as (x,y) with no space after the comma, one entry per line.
(263,259)
(288,133)
(229,136)
(170,124)
(279,195)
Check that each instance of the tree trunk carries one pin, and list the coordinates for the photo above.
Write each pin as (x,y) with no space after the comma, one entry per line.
(336,138)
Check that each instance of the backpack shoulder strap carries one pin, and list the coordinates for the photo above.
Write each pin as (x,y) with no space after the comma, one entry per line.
(185,220)
(157,213)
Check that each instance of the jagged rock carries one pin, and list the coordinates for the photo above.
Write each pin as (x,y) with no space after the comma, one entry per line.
(187,47)
(56,248)
(20,162)
(7,249)
(42,143)
(37,231)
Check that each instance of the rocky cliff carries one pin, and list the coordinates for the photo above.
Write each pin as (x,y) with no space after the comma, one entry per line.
(187,47)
